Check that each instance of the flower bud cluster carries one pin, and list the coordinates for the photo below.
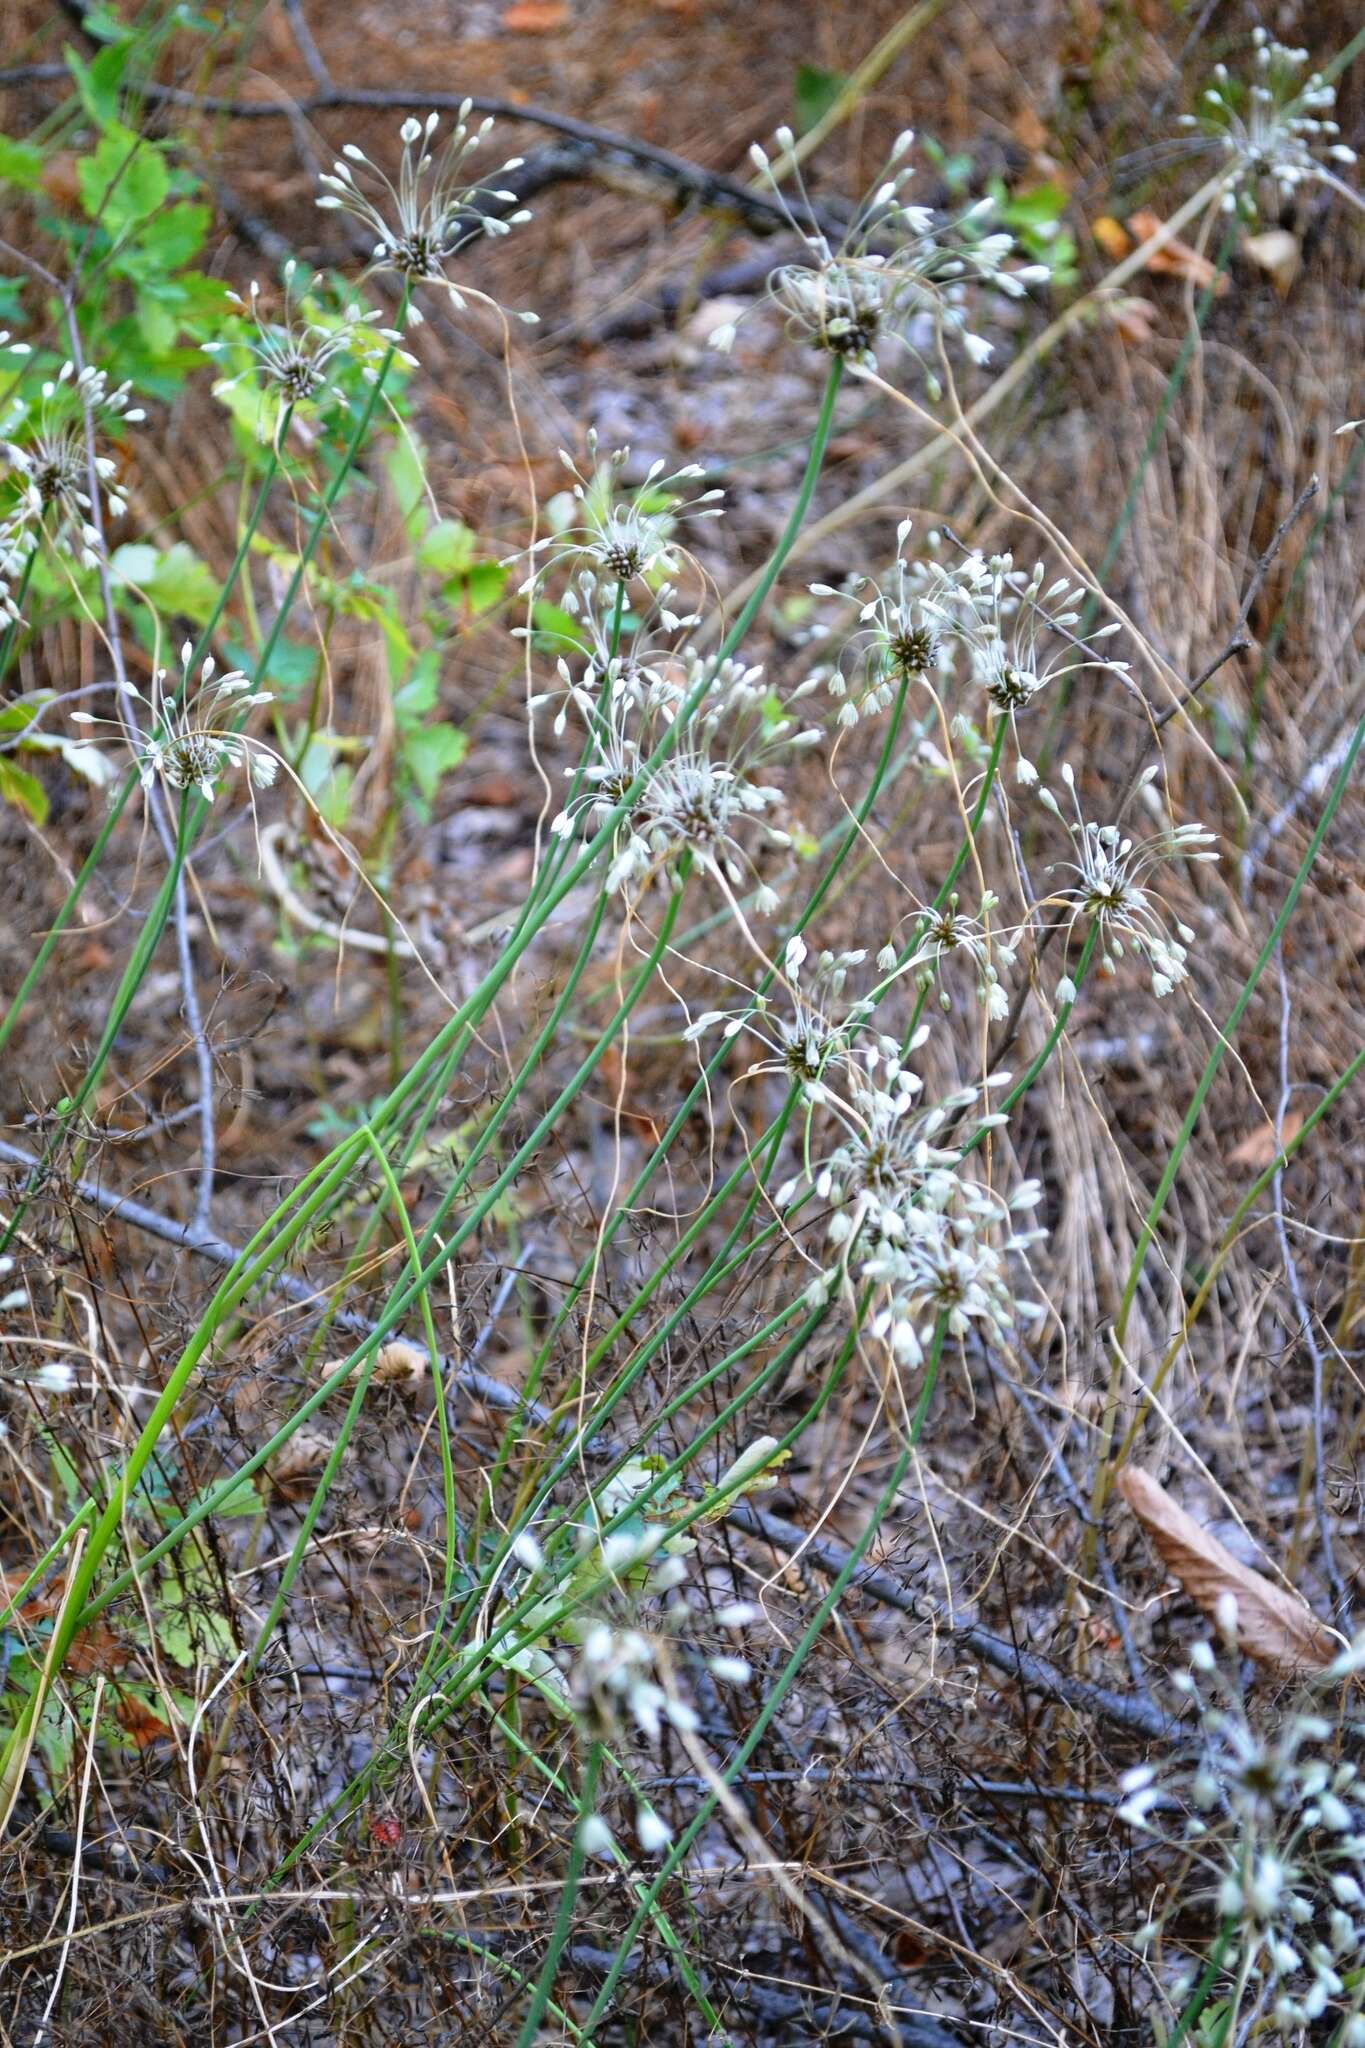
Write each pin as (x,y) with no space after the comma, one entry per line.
(1274,1830)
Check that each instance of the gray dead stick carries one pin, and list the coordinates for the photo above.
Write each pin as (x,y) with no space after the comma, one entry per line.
(1122,1710)
(205,1245)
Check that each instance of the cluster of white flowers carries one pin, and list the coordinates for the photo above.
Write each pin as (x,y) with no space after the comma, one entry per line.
(1274,126)
(1113,892)
(1275,1821)
(47,449)
(906,1216)
(189,747)
(895,275)
(704,800)
(706,797)
(809,1036)
(898,639)
(629,537)
(951,934)
(1018,637)
(295,354)
(433,211)
(613,1662)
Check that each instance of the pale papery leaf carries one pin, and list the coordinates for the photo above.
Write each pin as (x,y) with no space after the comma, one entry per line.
(1275,1626)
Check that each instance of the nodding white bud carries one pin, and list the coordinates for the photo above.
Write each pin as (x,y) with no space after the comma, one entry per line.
(594,1836)
(528,1552)
(784,138)
(652,1833)
(758,157)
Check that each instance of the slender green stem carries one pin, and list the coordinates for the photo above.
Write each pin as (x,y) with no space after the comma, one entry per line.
(563,1922)
(780,1688)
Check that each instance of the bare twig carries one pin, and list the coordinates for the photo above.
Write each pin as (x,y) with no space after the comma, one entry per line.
(1137,1716)
(694,182)
(205,1244)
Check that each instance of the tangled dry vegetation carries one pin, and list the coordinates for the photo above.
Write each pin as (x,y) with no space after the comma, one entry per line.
(681,1287)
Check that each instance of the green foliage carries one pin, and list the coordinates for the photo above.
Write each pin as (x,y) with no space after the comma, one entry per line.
(813,94)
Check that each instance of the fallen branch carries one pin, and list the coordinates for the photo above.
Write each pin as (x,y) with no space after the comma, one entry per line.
(703,187)
(206,1245)
(1138,1717)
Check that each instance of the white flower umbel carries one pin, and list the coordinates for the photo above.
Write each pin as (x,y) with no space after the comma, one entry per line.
(895,274)
(435,208)
(624,536)
(295,354)
(50,455)
(1274,127)
(631,654)
(705,799)
(1113,885)
(808,1032)
(1274,1837)
(1019,636)
(190,745)
(906,1217)
(897,639)
(951,935)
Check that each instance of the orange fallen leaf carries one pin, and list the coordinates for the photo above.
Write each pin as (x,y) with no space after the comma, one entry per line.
(97,1649)
(137,1719)
(1274,1625)
(1175,258)
(1260,1148)
(1113,239)
(535,17)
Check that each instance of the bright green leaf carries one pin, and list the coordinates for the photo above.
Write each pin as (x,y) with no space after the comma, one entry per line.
(20,164)
(447,548)
(125,180)
(430,752)
(23,790)
(814,94)
(98,82)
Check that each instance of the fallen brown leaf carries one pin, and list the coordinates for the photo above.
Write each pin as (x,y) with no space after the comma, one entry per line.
(535,17)
(1276,1627)
(1175,258)
(137,1720)
(305,1453)
(1259,1148)
(1133,320)
(401,1364)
